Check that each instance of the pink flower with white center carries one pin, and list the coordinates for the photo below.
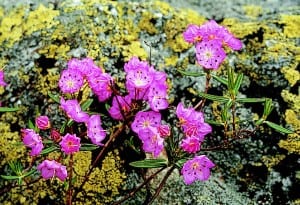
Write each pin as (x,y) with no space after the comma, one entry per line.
(152,142)
(136,93)
(70,143)
(190,144)
(101,86)
(196,169)
(193,34)
(210,54)
(94,130)
(138,73)
(51,168)
(2,82)
(70,81)
(120,106)
(157,97)
(73,110)
(143,120)
(32,140)
(42,122)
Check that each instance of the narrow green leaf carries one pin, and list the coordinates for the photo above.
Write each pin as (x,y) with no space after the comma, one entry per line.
(70,122)
(86,104)
(212,122)
(55,98)
(63,127)
(214,97)
(180,163)
(250,100)
(149,163)
(238,82)
(268,107)
(194,74)
(221,80)
(31,125)
(259,122)
(88,147)
(278,127)
(29,173)
(230,79)
(8,109)
(10,177)
(49,150)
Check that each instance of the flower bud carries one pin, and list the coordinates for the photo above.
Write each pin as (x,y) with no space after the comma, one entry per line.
(55,135)
(42,122)
(164,130)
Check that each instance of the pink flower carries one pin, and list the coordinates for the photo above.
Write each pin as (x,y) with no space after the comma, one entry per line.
(193,34)
(51,168)
(191,144)
(2,82)
(94,130)
(157,97)
(120,106)
(101,86)
(70,143)
(143,120)
(42,122)
(86,66)
(192,122)
(71,80)
(152,142)
(196,169)
(210,54)
(32,140)
(138,73)
(73,110)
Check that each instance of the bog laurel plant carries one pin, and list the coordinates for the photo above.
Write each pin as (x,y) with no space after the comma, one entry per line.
(136,108)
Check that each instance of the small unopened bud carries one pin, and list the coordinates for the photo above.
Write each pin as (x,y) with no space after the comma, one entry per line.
(164,130)
(42,122)
(55,135)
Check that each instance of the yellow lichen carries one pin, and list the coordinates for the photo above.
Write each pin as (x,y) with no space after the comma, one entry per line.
(291,25)
(146,24)
(171,61)
(48,82)
(253,11)
(292,99)
(291,74)
(134,49)
(271,161)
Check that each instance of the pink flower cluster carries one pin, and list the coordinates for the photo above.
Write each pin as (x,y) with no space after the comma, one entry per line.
(143,82)
(79,71)
(209,40)
(150,131)
(32,140)
(51,168)
(195,129)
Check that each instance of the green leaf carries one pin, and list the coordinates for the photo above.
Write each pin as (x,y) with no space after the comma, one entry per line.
(238,82)
(230,79)
(86,104)
(10,177)
(149,163)
(49,150)
(55,98)
(31,125)
(221,80)
(250,100)
(278,127)
(214,97)
(63,127)
(212,122)
(194,74)
(8,109)
(88,147)
(259,122)
(268,107)
(180,163)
